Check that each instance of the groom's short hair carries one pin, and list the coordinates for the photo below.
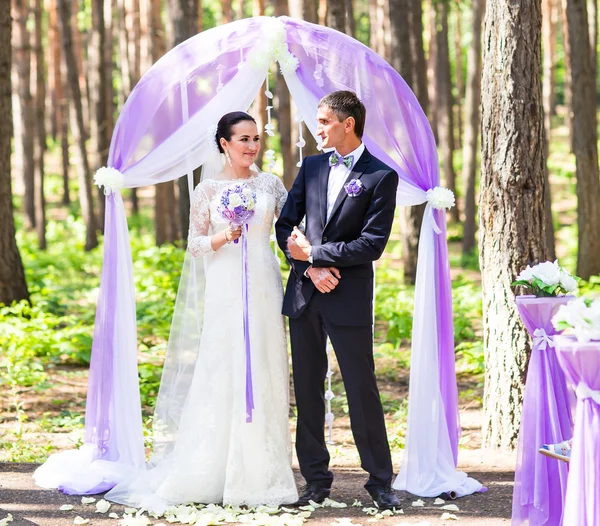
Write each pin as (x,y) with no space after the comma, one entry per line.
(346,104)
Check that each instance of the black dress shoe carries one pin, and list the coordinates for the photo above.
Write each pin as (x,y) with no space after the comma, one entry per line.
(314,492)
(384,498)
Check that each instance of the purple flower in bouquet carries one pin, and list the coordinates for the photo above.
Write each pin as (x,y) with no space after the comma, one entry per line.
(238,202)
(354,188)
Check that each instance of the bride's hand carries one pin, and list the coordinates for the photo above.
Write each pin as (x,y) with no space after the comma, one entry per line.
(232,233)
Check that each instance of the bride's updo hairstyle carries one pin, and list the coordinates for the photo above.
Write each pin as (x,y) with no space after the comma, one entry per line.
(226,124)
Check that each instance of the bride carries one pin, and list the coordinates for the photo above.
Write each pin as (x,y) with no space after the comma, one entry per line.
(217,455)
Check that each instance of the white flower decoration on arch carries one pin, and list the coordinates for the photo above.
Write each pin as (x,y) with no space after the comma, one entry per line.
(110,179)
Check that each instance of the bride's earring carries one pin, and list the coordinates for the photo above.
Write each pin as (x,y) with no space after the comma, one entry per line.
(228,157)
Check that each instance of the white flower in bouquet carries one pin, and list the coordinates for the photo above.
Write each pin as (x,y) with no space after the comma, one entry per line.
(580,315)
(548,272)
(567,282)
(546,279)
(234,200)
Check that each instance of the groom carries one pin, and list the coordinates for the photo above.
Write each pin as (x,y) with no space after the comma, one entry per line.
(348,198)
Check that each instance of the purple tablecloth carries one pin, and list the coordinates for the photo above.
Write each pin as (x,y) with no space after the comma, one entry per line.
(581,364)
(540,482)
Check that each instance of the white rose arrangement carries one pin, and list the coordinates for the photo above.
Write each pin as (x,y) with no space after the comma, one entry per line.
(582,316)
(547,279)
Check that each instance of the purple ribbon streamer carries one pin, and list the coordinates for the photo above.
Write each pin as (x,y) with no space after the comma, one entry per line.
(249,390)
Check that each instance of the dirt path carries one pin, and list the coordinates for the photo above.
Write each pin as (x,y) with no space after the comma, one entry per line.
(29,504)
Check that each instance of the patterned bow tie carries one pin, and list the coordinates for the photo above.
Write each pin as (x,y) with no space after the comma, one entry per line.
(336,159)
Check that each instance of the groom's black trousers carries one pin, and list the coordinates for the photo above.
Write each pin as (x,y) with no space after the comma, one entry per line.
(353,347)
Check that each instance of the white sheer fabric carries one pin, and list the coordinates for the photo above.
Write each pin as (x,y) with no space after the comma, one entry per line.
(217,456)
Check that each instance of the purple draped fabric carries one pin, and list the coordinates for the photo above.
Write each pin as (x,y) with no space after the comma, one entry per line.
(540,481)
(397,132)
(581,364)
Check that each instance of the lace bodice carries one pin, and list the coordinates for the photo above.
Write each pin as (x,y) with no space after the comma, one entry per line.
(205,221)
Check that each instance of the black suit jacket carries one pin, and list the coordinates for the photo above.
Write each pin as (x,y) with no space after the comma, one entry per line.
(354,236)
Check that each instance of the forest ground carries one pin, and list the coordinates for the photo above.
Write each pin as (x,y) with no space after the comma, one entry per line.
(31,505)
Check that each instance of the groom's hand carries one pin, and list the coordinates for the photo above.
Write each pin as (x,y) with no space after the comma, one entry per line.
(299,247)
(325,279)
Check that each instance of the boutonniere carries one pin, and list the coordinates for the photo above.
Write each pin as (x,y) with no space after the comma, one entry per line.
(354,188)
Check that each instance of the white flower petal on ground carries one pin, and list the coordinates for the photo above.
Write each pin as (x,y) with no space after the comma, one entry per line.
(6,520)
(66,507)
(330,503)
(134,520)
(399,512)
(113,515)
(450,507)
(80,520)
(370,511)
(418,504)
(307,508)
(130,511)
(439,501)
(357,504)
(387,513)
(87,500)
(102,506)
(305,514)
(448,517)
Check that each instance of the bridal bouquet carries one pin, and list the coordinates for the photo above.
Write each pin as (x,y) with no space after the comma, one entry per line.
(238,202)
(582,316)
(546,279)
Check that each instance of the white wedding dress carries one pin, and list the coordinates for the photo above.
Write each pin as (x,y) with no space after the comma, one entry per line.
(218,457)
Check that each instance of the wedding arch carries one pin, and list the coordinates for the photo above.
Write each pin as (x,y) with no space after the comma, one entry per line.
(163,134)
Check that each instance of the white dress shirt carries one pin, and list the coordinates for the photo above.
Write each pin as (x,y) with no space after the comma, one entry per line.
(337,177)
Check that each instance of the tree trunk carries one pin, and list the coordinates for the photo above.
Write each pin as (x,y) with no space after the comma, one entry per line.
(444,102)
(76,113)
(12,277)
(81,63)
(585,138)
(284,114)
(418,55)
(472,120)
(226,11)
(511,202)
(459,76)
(40,127)
(305,10)
(592,9)
(63,130)
(22,48)
(259,106)
(430,33)
(568,76)
(109,96)
(376,32)
(336,14)
(549,19)
(350,23)
(402,60)
(97,85)
(177,30)
(51,65)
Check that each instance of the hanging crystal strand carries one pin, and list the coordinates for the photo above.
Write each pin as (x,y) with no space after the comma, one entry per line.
(269,154)
(329,396)
(301,142)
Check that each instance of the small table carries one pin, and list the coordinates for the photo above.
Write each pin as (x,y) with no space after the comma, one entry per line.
(581,365)
(541,482)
